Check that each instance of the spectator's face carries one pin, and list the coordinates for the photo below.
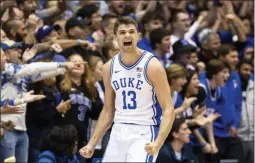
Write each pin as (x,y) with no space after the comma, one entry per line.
(21,30)
(52,36)
(185,58)
(97,73)
(247,25)
(18,14)
(3,36)
(213,43)
(183,134)
(14,55)
(61,32)
(117,6)
(178,83)
(79,70)
(77,32)
(109,28)
(182,22)
(114,50)
(232,59)
(245,71)
(165,44)
(193,59)
(220,78)
(127,37)
(154,24)
(226,74)
(3,60)
(248,54)
(193,85)
(96,21)
(30,6)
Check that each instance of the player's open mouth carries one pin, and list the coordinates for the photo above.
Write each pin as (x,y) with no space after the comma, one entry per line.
(128,43)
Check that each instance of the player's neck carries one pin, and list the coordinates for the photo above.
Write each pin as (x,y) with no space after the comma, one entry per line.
(176,146)
(130,58)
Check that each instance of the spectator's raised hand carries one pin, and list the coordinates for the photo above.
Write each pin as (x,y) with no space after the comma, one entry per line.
(88,45)
(188,101)
(29,54)
(213,117)
(30,97)
(87,151)
(8,109)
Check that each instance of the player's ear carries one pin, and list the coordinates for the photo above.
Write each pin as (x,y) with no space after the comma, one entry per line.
(139,36)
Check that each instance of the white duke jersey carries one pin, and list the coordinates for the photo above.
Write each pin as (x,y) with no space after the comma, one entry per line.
(135,100)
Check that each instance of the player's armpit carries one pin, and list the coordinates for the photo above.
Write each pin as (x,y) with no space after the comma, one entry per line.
(157,76)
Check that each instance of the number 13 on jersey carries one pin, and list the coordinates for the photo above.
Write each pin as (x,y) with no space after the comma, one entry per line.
(129,95)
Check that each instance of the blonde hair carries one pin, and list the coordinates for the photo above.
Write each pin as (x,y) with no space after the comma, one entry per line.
(66,83)
(175,71)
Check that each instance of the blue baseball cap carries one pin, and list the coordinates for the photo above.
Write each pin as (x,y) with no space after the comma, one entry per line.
(182,46)
(9,44)
(44,31)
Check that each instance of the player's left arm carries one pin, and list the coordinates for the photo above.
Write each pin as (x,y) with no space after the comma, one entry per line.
(157,76)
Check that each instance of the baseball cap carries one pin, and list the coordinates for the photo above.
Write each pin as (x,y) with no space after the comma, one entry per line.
(44,31)
(182,46)
(9,44)
(76,21)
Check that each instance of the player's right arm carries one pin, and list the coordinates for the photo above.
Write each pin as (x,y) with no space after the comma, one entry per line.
(106,116)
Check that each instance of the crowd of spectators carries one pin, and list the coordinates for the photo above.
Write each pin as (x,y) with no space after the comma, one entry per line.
(52,55)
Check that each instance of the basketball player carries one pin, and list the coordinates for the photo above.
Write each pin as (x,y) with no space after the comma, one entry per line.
(137,95)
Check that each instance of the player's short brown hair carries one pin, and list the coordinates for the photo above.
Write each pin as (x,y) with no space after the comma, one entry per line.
(124,20)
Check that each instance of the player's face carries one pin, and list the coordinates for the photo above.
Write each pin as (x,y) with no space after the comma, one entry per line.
(193,85)
(183,134)
(127,37)
(80,69)
(220,76)
(3,60)
(178,83)
(97,73)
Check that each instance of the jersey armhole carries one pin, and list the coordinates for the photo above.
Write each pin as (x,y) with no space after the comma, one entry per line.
(111,67)
(145,70)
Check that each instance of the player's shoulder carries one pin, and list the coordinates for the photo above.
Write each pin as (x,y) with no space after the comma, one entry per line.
(155,65)
(107,66)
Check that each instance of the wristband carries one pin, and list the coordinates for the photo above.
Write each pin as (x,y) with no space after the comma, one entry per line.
(79,41)
(22,101)
(59,65)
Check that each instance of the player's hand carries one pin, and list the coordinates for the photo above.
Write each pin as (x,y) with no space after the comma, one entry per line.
(87,151)
(152,148)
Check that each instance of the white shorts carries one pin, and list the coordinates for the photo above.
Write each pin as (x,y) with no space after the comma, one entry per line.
(127,143)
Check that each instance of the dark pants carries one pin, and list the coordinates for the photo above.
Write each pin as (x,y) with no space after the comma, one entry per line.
(248,151)
(229,148)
